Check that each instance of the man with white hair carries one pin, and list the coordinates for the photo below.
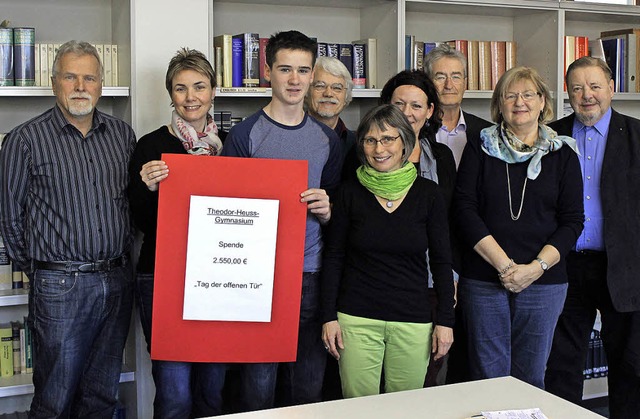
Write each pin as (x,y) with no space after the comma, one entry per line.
(329,94)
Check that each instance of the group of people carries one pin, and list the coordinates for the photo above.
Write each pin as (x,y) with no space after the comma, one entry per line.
(439,247)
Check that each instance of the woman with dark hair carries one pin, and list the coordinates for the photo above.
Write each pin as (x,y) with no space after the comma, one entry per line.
(375,292)
(417,97)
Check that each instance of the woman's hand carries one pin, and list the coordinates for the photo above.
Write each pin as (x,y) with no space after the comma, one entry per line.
(441,341)
(332,338)
(317,203)
(519,277)
(154,172)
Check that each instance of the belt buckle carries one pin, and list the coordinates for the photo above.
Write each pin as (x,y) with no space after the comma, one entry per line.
(87,267)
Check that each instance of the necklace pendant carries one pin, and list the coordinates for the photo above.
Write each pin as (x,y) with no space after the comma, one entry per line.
(389,204)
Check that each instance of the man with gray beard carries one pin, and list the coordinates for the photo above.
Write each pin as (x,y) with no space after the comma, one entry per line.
(64,217)
(329,94)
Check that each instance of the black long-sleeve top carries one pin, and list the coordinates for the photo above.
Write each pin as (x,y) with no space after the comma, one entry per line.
(144,203)
(374,262)
(552,212)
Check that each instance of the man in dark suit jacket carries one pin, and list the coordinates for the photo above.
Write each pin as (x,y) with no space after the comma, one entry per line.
(604,269)
(447,67)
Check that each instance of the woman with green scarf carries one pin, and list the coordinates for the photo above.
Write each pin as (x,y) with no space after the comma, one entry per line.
(375,291)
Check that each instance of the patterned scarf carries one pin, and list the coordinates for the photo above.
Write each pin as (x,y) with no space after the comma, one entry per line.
(202,143)
(499,142)
(388,185)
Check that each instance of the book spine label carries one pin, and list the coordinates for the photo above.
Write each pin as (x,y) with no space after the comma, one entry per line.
(263,62)
(15,336)
(322,49)
(473,59)
(6,57)
(6,351)
(218,66)
(106,63)
(345,52)
(115,74)
(24,56)
(498,61)
(359,73)
(44,66)
(251,75)
(484,65)
(333,50)
(237,60)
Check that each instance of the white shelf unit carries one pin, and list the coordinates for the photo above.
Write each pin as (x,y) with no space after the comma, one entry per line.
(537,26)
(95,21)
(589,20)
(340,21)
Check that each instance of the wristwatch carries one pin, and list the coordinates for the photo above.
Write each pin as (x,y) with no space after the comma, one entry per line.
(543,264)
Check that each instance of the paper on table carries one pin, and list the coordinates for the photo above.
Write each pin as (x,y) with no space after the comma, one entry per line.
(515,414)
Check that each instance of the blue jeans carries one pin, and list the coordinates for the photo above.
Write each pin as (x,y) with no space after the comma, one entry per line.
(300,381)
(510,334)
(183,389)
(80,323)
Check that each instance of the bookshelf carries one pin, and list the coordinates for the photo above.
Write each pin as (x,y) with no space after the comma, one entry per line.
(95,21)
(537,26)
(350,20)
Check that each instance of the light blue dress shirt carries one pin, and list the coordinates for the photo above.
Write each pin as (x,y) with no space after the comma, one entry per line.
(592,142)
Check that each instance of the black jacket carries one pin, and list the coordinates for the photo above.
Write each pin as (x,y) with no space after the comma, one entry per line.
(620,194)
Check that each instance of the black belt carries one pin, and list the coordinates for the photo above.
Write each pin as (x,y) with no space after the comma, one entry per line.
(73,266)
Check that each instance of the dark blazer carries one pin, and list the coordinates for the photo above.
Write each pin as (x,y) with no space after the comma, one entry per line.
(620,194)
(474,125)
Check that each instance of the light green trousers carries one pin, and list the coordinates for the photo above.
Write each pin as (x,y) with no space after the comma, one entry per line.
(401,348)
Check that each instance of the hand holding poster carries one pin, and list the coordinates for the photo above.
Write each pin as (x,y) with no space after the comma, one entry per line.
(188,242)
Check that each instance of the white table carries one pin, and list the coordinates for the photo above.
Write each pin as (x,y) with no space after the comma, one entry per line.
(455,401)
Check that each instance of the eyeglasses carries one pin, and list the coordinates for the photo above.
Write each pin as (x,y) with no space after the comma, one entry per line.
(322,86)
(442,78)
(385,141)
(526,96)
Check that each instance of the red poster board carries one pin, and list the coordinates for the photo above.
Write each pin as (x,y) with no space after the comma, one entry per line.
(175,339)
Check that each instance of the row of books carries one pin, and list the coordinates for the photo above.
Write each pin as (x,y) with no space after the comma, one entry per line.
(17,64)
(621,50)
(10,276)
(16,349)
(596,365)
(486,60)
(574,47)
(239,60)
(358,56)
(45,54)
(224,119)
(23,62)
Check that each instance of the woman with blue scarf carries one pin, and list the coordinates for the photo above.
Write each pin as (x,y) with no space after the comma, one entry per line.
(518,204)
(375,290)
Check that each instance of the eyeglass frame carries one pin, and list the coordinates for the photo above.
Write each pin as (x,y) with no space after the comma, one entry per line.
(321,86)
(523,95)
(453,77)
(366,142)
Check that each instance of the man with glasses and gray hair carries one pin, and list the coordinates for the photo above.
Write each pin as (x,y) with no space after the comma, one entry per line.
(447,67)
(329,94)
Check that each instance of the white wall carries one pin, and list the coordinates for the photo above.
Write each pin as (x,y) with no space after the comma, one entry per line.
(159,29)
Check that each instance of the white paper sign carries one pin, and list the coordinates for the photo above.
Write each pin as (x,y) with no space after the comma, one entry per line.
(515,414)
(231,249)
